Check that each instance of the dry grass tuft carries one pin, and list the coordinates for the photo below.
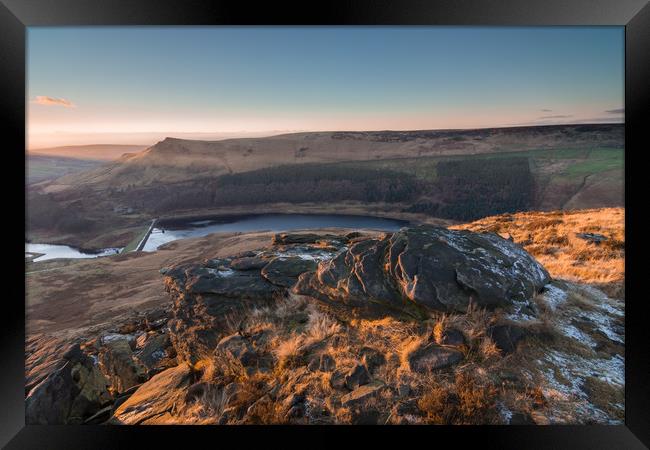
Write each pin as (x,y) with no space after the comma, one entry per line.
(468,400)
(552,238)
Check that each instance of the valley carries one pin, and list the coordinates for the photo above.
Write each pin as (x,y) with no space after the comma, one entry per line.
(454,175)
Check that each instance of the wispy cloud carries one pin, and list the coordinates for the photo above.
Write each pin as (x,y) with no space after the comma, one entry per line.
(546,110)
(559,116)
(52,101)
(615,111)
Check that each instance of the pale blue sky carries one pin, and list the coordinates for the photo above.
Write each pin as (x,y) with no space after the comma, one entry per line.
(128,83)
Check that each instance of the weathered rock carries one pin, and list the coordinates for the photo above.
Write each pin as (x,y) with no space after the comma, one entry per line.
(293,400)
(357,376)
(72,393)
(506,337)
(337,380)
(327,363)
(285,271)
(100,416)
(521,418)
(433,357)
(156,397)
(118,363)
(233,392)
(153,351)
(372,358)
(249,263)
(260,407)
(403,390)
(234,284)
(361,394)
(203,310)
(452,336)
(295,412)
(314,364)
(427,267)
(593,238)
(155,320)
(217,263)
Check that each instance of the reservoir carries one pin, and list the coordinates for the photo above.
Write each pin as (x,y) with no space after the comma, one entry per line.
(168,230)
(49,251)
(174,229)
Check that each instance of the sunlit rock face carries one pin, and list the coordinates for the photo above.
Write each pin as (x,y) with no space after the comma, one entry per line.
(427,267)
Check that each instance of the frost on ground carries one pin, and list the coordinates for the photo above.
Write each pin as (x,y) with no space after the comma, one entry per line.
(581,372)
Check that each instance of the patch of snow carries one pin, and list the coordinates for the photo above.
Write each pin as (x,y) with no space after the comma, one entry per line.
(112,337)
(574,333)
(158,354)
(575,369)
(554,296)
(506,414)
(221,272)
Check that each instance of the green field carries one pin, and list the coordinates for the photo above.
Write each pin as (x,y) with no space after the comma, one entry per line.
(577,162)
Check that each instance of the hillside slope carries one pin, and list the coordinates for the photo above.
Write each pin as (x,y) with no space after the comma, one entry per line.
(173,160)
(417,175)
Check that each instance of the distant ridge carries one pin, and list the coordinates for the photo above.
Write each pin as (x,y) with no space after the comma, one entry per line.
(101,152)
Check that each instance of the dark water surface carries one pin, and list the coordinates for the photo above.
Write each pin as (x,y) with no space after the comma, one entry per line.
(172,230)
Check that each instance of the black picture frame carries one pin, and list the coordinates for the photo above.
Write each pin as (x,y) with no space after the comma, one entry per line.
(16,15)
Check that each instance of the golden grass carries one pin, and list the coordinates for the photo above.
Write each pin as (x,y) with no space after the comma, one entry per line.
(551,238)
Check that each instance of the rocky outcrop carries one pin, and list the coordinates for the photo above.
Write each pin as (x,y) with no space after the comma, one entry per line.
(209,298)
(70,394)
(427,267)
(117,361)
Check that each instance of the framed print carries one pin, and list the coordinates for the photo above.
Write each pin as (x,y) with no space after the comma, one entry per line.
(393,220)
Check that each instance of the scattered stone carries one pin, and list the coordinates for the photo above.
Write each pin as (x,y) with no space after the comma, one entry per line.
(593,238)
(366,416)
(327,363)
(403,390)
(337,380)
(362,394)
(372,358)
(155,397)
(293,400)
(260,407)
(295,412)
(314,364)
(357,376)
(521,418)
(407,407)
(452,337)
(506,337)
(432,357)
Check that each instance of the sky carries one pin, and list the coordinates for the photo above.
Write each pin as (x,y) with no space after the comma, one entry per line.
(137,85)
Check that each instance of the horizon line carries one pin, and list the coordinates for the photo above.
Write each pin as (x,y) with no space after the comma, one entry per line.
(288,132)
